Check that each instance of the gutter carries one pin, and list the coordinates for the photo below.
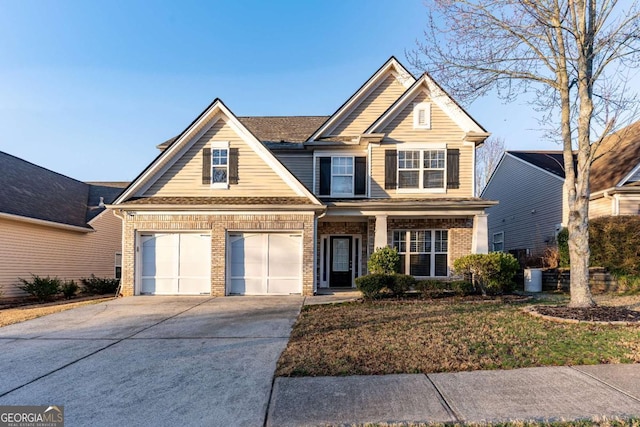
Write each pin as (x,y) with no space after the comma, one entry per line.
(46,223)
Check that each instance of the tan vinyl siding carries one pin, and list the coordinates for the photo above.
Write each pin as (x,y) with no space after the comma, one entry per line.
(372,107)
(184,177)
(45,251)
(603,207)
(300,165)
(443,131)
(628,206)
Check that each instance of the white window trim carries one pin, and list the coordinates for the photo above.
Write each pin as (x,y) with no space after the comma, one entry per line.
(422,148)
(493,241)
(426,108)
(353,177)
(220,145)
(432,253)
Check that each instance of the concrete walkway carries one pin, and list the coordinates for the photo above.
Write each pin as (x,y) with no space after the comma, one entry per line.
(554,393)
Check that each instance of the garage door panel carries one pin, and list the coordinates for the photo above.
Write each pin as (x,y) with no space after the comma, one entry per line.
(284,255)
(175,263)
(265,263)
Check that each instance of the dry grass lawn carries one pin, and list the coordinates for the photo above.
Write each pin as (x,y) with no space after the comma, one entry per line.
(389,337)
(10,316)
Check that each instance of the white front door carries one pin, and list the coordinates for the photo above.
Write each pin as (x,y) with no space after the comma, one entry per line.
(264,263)
(175,264)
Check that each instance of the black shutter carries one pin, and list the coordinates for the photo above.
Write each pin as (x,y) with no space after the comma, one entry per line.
(390,169)
(361,176)
(325,176)
(453,168)
(233,165)
(206,166)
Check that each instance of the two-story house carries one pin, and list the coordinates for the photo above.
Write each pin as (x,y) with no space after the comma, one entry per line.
(280,205)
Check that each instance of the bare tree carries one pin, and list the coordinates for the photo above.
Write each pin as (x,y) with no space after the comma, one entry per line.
(572,56)
(487,158)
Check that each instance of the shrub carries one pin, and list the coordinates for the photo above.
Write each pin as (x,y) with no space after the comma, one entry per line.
(492,273)
(434,288)
(614,244)
(563,248)
(43,288)
(430,288)
(400,283)
(99,286)
(373,285)
(69,289)
(384,261)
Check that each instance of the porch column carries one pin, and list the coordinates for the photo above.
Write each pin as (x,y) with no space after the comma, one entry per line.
(380,240)
(480,240)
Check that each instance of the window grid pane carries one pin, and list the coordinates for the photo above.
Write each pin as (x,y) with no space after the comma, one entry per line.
(409,159)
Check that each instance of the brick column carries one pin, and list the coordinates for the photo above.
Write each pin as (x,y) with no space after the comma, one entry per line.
(480,242)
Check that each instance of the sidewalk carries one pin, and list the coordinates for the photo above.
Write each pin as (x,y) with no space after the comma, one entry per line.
(560,393)
(552,393)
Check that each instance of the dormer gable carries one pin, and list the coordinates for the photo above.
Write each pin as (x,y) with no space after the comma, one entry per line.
(423,98)
(370,100)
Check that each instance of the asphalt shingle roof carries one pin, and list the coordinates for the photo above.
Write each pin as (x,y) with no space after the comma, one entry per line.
(34,192)
(289,130)
(551,161)
(616,157)
(201,201)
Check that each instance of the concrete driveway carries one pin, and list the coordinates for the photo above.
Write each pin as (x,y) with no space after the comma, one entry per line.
(162,361)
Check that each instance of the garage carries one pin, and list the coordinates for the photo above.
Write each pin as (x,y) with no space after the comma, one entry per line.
(264,263)
(175,264)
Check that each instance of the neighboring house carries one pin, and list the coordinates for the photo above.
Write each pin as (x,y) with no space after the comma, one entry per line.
(533,204)
(280,205)
(52,225)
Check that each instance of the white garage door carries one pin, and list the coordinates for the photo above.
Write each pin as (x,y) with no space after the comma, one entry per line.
(265,263)
(175,264)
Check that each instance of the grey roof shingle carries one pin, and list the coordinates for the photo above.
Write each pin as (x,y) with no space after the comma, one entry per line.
(551,161)
(229,201)
(290,130)
(34,192)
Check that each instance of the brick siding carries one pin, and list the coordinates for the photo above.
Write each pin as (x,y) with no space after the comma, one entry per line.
(218,226)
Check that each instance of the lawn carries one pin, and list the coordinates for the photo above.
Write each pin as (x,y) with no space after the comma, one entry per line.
(9,316)
(424,336)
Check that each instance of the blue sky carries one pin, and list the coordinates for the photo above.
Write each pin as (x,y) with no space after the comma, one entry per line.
(88,89)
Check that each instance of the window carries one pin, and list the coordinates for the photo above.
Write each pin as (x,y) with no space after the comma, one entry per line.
(498,242)
(220,161)
(422,252)
(422,115)
(342,176)
(422,169)
(118,266)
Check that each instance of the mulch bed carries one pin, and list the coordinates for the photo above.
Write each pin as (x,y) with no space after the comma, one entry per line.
(591,314)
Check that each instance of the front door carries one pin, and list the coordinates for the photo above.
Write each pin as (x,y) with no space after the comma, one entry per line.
(341,262)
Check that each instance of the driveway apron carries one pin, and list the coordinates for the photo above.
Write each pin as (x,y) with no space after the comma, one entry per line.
(160,361)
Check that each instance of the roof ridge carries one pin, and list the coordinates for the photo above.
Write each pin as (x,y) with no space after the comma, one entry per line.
(276,117)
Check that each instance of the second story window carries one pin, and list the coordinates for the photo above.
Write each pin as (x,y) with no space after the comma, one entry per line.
(342,176)
(421,169)
(219,165)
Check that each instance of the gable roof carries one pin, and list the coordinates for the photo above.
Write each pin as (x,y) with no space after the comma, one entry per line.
(616,158)
(189,136)
(550,161)
(31,191)
(392,65)
(441,98)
